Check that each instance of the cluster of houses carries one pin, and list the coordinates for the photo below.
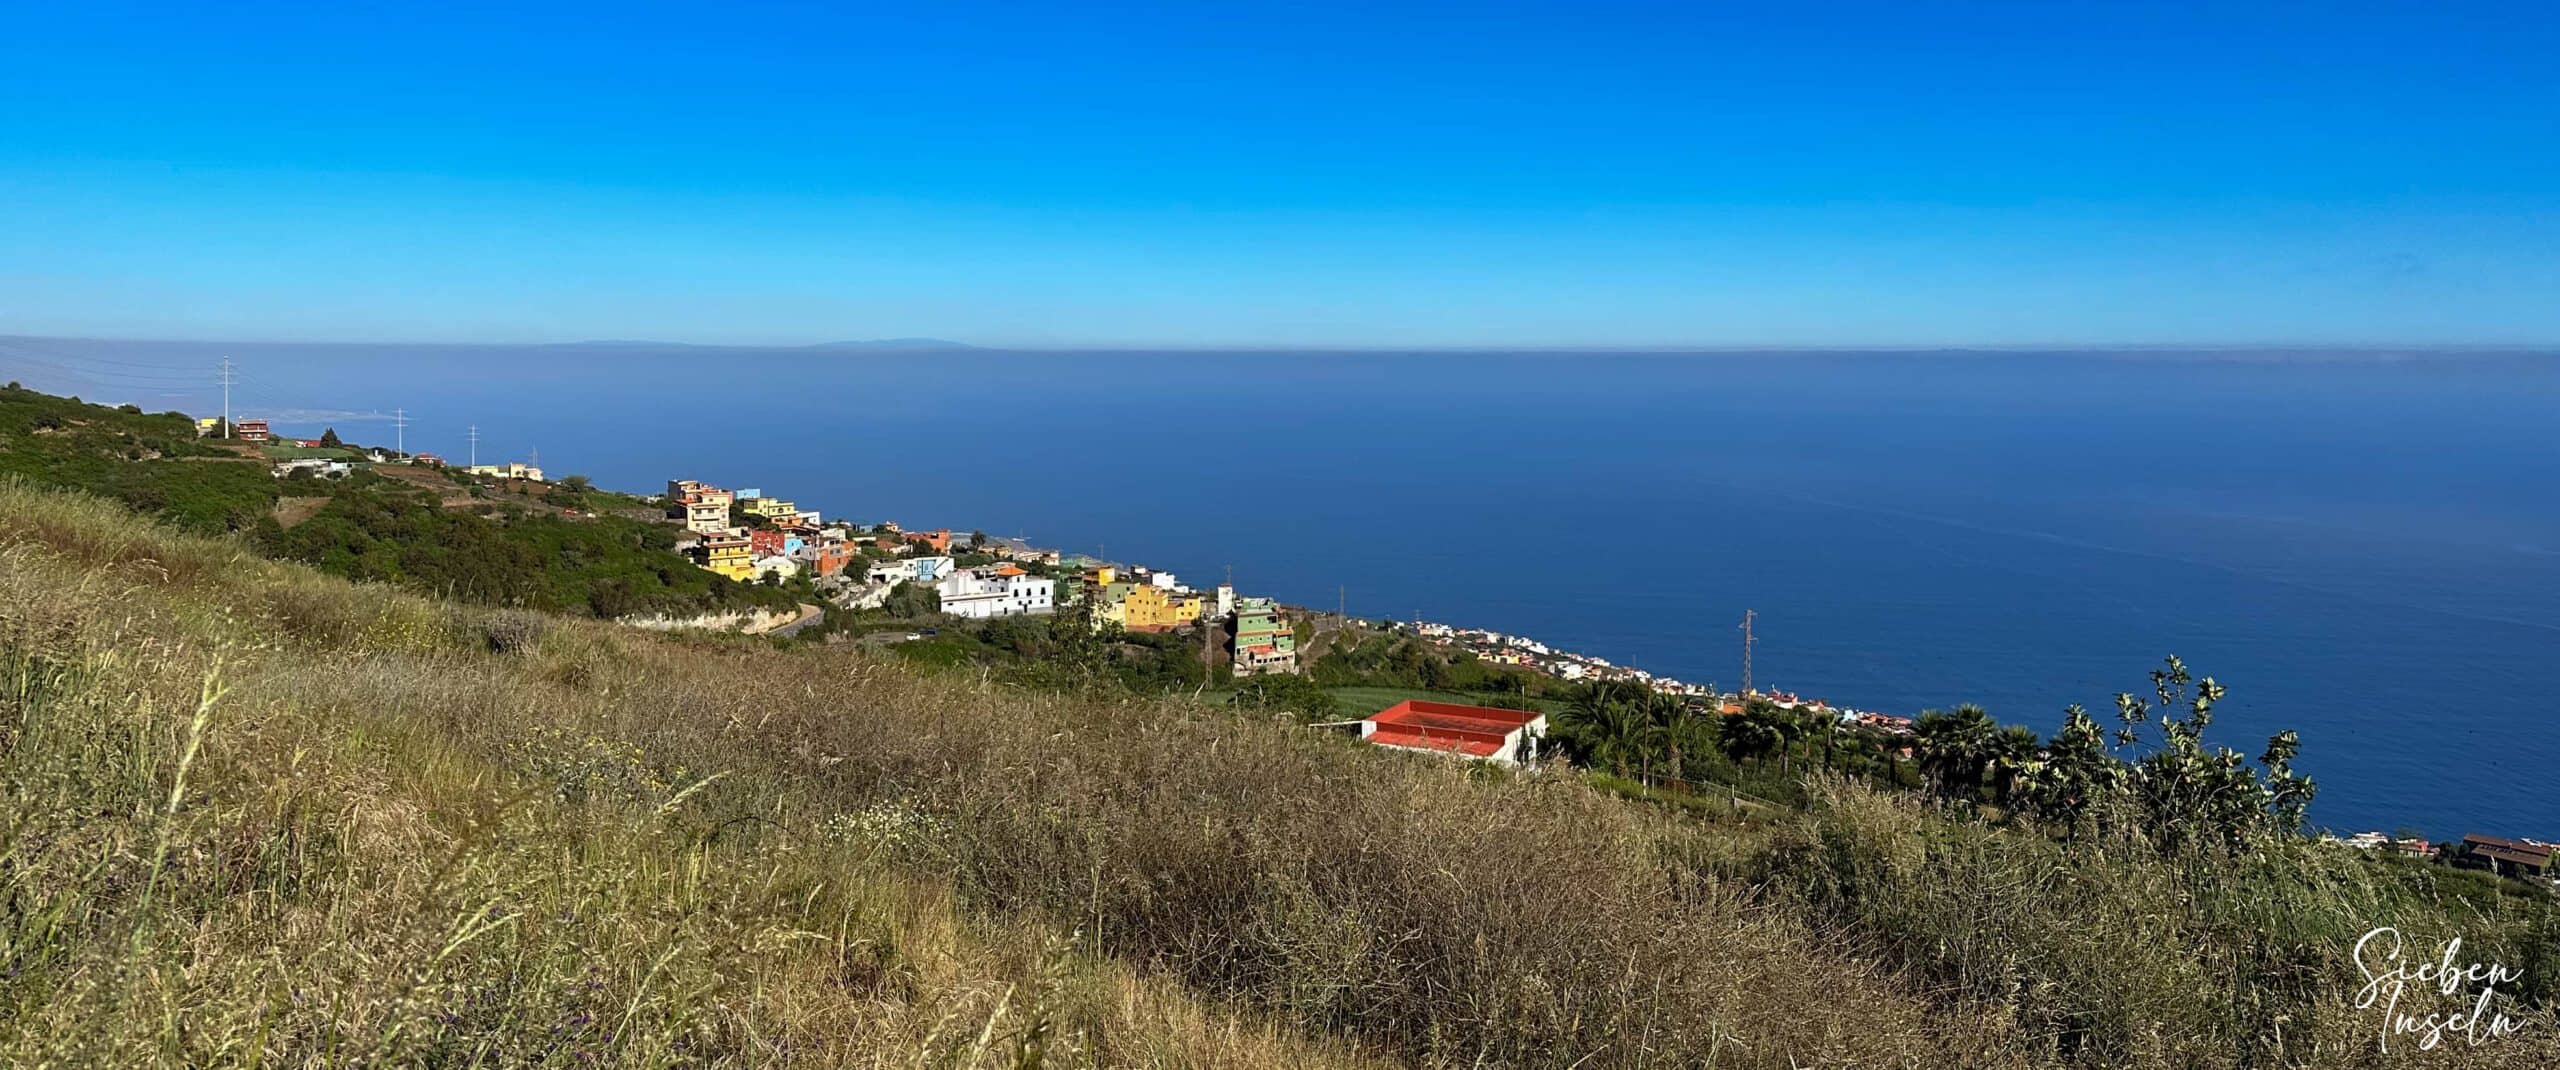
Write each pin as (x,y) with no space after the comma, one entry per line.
(2522,859)
(750,536)
(1500,649)
(781,539)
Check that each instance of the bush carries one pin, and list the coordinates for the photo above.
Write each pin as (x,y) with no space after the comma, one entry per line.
(513,633)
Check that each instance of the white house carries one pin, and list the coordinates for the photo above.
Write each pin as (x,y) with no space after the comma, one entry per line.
(325,469)
(981,596)
(777,565)
(920,569)
(1506,737)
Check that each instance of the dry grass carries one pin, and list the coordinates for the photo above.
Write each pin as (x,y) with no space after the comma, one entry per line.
(416,833)
(363,847)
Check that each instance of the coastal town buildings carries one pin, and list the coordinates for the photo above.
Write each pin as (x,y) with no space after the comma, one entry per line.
(727,554)
(981,594)
(250,431)
(1264,641)
(828,559)
(703,508)
(1144,607)
(779,512)
(913,569)
(2522,859)
(509,470)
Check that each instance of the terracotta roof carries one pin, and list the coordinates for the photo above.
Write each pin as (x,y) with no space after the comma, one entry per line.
(1480,731)
(1440,741)
(1454,716)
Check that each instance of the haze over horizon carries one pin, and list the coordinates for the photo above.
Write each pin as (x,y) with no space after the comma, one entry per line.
(1335,176)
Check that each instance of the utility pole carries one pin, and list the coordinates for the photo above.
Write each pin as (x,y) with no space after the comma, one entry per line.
(475,445)
(224,376)
(400,432)
(1747,641)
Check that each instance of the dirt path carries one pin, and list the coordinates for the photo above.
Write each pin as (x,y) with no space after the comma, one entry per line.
(292,511)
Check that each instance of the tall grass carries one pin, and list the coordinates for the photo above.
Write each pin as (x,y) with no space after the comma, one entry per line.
(304,861)
(416,833)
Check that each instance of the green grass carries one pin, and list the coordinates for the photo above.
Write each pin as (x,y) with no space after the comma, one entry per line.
(1363,701)
(285,451)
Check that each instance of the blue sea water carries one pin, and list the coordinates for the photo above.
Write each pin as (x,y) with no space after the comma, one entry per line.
(2364,547)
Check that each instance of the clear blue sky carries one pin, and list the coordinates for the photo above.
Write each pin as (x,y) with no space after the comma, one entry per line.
(1063,174)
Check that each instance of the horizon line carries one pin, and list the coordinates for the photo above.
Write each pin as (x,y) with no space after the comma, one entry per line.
(912,344)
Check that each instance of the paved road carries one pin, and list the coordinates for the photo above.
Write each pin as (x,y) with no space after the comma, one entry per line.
(809,615)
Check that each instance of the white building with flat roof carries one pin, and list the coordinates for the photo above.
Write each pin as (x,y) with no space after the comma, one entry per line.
(981,596)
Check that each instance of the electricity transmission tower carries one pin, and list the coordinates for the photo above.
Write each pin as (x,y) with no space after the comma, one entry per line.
(1747,642)
(224,376)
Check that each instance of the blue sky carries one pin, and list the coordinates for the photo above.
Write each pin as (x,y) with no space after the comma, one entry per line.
(1483,174)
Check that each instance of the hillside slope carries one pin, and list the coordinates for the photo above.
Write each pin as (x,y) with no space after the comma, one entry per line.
(262,816)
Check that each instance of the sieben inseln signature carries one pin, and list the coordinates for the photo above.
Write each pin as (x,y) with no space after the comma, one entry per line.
(2390,976)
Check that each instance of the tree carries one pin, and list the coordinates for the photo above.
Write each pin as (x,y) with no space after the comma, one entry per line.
(329,438)
(2179,793)
(2188,794)
(2077,770)
(1955,747)
(1284,692)
(2010,757)
(1751,736)
(1605,725)
(977,540)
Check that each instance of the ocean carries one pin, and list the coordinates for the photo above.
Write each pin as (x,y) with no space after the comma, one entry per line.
(2364,547)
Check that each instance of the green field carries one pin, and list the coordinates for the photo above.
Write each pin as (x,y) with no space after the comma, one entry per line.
(1363,701)
(286,451)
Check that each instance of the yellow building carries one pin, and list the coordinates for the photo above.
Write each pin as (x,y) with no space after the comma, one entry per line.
(729,555)
(1142,607)
(779,511)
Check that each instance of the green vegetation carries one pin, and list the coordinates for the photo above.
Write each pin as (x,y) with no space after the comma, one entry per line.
(1357,657)
(153,463)
(371,528)
(285,451)
(1363,701)
(379,531)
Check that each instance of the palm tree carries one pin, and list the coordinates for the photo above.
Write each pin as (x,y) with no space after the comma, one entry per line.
(1607,727)
(1750,737)
(1666,716)
(1955,746)
(2012,753)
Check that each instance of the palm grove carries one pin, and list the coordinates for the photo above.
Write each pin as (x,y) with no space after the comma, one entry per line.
(2153,776)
